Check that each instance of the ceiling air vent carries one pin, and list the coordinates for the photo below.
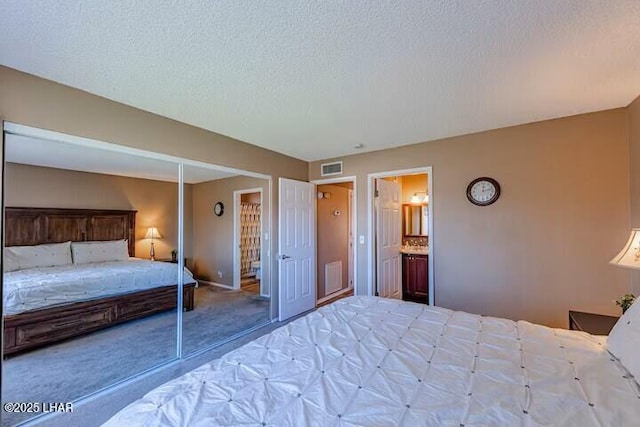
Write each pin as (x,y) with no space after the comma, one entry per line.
(329,169)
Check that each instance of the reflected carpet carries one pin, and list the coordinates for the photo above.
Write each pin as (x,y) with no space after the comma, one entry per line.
(74,368)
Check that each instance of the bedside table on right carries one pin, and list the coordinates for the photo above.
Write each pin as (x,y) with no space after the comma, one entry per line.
(595,324)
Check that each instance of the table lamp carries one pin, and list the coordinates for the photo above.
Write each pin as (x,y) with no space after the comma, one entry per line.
(152,233)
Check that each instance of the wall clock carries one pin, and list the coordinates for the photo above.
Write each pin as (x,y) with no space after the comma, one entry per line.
(218,209)
(483,191)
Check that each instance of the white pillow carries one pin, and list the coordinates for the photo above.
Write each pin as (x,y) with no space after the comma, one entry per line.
(9,261)
(86,252)
(624,340)
(38,256)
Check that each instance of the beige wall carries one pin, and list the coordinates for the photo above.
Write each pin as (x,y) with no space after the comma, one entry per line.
(41,103)
(634,148)
(333,233)
(544,247)
(155,201)
(213,235)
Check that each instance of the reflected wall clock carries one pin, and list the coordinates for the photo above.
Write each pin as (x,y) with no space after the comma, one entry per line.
(218,209)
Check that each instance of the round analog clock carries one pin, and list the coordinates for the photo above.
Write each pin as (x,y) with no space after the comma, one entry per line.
(483,191)
(218,209)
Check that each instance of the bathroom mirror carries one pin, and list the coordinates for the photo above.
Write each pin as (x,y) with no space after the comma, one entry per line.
(415,220)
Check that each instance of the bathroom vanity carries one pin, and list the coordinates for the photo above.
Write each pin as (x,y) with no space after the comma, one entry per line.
(415,276)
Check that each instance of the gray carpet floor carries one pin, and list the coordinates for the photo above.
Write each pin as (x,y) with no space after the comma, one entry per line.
(74,368)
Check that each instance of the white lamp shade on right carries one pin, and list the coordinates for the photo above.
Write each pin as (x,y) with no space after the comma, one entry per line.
(629,256)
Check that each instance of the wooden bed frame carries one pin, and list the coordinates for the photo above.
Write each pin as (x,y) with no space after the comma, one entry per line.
(34,226)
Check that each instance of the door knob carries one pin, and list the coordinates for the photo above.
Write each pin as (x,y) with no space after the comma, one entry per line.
(284,257)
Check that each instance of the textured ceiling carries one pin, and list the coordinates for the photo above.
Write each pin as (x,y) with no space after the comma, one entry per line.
(54,154)
(313,78)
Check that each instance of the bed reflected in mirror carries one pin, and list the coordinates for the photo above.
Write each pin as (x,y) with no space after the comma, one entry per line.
(226,218)
(89,286)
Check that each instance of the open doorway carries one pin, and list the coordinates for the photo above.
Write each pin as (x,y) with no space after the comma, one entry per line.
(335,227)
(401,225)
(248,241)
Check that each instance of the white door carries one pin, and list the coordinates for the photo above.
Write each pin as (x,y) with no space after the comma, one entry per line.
(296,247)
(388,239)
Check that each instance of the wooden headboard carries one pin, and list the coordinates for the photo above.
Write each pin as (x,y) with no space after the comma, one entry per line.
(36,226)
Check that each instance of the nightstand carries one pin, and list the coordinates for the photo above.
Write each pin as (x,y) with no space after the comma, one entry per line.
(595,324)
(170,260)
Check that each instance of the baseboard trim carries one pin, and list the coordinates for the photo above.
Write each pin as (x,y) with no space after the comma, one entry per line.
(333,295)
(220,285)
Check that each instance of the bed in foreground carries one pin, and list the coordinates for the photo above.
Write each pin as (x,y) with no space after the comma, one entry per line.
(379,362)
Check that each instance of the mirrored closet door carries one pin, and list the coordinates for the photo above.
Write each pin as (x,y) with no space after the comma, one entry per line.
(226,216)
(117,261)
(89,289)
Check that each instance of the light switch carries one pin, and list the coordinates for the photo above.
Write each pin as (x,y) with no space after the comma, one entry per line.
(362,240)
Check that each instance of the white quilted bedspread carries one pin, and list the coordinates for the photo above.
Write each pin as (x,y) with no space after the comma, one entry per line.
(379,362)
(35,288)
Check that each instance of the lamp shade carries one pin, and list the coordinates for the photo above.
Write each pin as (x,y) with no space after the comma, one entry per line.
(629,256)
(153,233)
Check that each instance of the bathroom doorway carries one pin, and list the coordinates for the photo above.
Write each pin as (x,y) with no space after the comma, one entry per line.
(401,256)
(248,241)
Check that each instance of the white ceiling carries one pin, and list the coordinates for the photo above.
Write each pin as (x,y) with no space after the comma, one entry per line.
(313,78)
(54,154)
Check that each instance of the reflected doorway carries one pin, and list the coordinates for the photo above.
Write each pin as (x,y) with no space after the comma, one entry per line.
(248,241)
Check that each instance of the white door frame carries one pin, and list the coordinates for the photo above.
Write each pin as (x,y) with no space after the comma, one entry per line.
(370,225)
(237,256)
(354,229)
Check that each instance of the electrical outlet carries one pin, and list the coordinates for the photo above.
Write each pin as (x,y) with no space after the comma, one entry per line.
(220,274)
